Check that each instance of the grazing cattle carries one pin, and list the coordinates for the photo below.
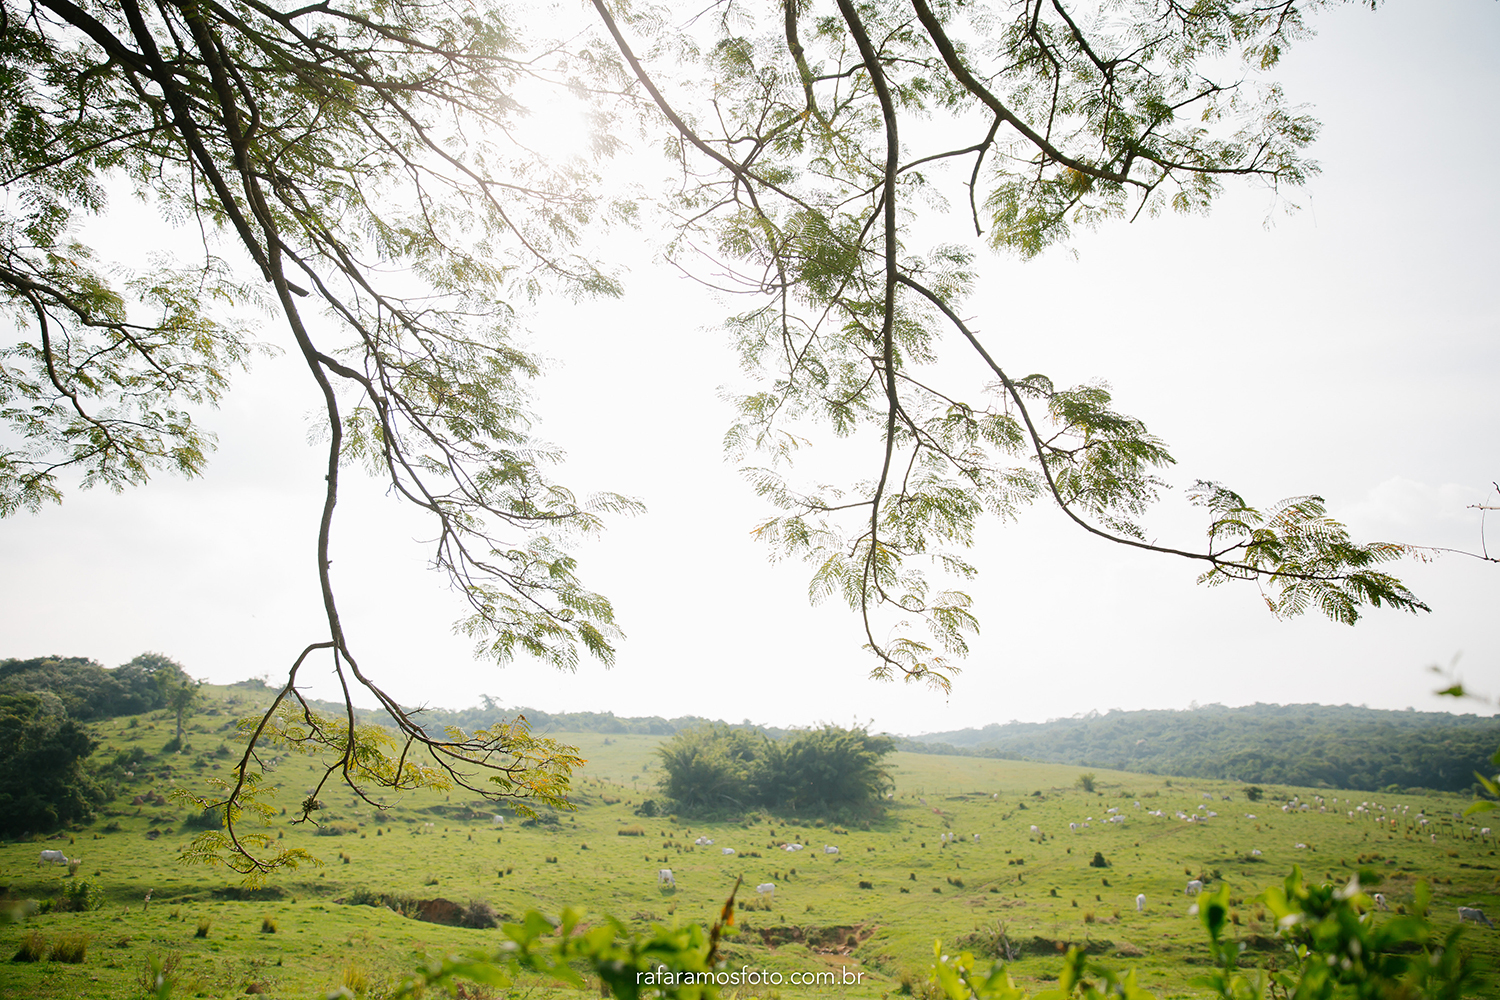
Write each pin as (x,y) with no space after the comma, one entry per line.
(1073,827)
(791,847)
(976,838)
(499,821)
(1034,829)
(767,889)
(1301,847)
(1193,888)
(1473,914)
(1484,831)
(703,841)
(1434,837)
(53,857)
(726,850)
(664,877)
(1140,903)
(1380,903)
(1255,853)
(830,849)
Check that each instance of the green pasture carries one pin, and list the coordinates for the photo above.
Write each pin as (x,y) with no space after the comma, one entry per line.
(302,936)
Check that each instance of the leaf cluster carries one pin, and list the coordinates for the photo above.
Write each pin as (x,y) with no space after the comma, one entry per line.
(835,132)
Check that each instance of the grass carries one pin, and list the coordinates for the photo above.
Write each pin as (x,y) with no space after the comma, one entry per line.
(896,884)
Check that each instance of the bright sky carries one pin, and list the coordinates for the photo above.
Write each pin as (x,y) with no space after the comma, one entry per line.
(1348,350)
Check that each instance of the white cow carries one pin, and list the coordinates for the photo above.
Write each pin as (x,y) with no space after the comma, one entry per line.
(1034,828)
(726,850)
(53,857)
(703,841)
(767,889)
(1256,852)
(1193,888)
(1140,903)
(1474,914)
(499,821)
(1484,831)
(1380,903)
(1073,827)
(830,849)
(791,847)
(664,877)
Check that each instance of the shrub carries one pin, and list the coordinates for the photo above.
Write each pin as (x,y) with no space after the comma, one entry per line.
(80,897)
(33,947)
(1098,861)
(72,948)
(334,830)
(631,831)
(158,973)
(203,925)
(480,915)
(267,925)
(356,980)
(1086,781)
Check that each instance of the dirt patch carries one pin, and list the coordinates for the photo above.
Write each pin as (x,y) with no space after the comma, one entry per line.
(241,892)
(839,939)
(1039,945)
(440,911)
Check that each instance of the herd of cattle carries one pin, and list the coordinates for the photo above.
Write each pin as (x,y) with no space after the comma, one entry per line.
(1199,814)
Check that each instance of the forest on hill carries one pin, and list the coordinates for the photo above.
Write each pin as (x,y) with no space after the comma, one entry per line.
(1335,746)
(1341,746)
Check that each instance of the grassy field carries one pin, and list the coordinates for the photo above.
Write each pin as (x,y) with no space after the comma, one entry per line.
(955,858)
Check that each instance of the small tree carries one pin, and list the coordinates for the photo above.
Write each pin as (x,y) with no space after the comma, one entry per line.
(1086,781)
(181,695)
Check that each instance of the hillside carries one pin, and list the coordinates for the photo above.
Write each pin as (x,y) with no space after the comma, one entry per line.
(1006,858)
(1320,746)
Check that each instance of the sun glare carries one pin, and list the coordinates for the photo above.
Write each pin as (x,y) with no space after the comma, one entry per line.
(557,124)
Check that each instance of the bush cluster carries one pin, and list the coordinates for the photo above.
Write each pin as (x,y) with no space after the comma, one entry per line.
(718,767)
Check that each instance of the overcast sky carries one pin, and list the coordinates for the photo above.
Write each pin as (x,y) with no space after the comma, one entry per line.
(1349,349)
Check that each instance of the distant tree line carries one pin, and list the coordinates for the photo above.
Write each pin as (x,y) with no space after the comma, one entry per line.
(1330,746)
(723,768)
(491,712)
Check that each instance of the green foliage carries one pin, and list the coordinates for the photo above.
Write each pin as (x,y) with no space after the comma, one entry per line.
(719,767)
(517,765)
(1086,781)
(1308,745)
(43,781)
(89,691)
(1333,949)
(832,132)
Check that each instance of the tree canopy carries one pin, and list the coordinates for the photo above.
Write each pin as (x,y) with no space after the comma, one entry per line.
(43,782)
(724,768)
(354,170)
